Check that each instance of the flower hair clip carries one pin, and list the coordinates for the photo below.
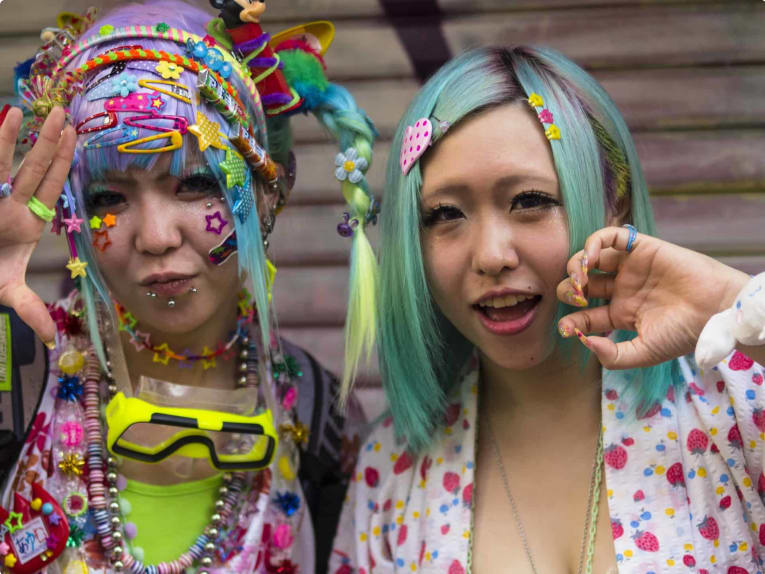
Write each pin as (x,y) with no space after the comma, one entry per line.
(545,116)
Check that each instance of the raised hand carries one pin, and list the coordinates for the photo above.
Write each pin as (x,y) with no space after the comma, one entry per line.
(42,175)
(664,292)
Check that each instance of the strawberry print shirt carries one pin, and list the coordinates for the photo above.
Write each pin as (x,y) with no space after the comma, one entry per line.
(684,482)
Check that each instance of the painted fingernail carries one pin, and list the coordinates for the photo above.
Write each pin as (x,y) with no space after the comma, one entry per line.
(576,283)
(584,262)
(582,337)
(564,331)
(577,299)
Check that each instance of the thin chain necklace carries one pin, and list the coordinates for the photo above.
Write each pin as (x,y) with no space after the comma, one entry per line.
(591,517)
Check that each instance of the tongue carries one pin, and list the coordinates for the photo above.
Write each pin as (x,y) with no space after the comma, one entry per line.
(509,313)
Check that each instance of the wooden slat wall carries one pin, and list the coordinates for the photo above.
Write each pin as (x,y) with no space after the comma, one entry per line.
(689,77)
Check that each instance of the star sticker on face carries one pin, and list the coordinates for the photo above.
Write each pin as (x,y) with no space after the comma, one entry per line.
(234,168)
(166,354)
(9,522)
(95,222)
(212,228)
(73,224)
(77,267)
(207,132)
(101,240)
(110,220)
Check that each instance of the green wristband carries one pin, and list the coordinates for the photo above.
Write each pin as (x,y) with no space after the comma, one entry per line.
(41,210)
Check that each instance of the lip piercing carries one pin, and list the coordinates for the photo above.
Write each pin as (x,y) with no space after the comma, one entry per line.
(151,294)
(193,290)
(171,302)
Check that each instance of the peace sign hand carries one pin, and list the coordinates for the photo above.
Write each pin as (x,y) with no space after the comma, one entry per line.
(42,175)
(664,292)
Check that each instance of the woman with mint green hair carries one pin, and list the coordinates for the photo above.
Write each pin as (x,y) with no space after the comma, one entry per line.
(515,217)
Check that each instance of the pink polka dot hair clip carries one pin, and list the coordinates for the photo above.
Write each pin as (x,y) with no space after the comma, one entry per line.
(417,139)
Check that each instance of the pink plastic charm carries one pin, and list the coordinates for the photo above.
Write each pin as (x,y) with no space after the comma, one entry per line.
(289,398)
(71,433)
(545,116)
(283,536)
(417,138)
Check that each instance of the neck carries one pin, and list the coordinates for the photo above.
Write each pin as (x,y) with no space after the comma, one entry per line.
(218,329)
(559,390)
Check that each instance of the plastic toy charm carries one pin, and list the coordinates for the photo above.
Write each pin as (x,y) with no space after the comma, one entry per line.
(34,533)
(346,227)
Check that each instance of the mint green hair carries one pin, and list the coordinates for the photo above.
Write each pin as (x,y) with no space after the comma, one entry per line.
(336,110)
(421,352)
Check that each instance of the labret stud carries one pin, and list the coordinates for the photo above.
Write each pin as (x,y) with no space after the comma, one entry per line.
(171,302)
(151,294)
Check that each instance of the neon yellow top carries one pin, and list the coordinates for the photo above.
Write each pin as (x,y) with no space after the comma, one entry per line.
(168,518)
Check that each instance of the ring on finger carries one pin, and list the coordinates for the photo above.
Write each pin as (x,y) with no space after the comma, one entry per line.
(5,188)
(40,209)
(632,236)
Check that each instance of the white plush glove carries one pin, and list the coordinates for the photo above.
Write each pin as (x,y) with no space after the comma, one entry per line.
(743,322)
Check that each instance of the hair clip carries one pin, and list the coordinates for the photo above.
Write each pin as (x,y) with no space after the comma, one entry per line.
(207,132)
(212,91)
(545,116)
(168,70)
(109,122)
(179,124)
(258,158)
(172,89)
(115,70)
(121,85)
(136,103)
(234,168)
(416,140)
(219,254)
(126,134)
(175,137)
(243,199)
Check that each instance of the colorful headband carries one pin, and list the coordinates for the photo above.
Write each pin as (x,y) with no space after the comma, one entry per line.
(545,116)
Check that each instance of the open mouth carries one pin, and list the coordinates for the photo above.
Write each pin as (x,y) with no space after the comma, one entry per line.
(508,314)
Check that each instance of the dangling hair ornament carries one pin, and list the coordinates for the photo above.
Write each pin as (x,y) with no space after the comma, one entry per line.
(545,116)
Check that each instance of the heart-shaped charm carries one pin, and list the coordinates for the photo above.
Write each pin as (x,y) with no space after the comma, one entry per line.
(417,138)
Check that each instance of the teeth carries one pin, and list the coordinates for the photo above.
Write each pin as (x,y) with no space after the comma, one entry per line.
(506,301)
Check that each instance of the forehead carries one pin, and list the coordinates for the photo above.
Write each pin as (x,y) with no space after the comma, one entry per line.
(506,141)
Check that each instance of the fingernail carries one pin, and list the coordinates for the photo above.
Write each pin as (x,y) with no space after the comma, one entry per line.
(576,283)
(577,299)
(582,337)
(51,345)
(584,262)
(564,331)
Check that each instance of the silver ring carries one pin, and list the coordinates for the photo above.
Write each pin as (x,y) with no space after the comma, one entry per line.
(6,188)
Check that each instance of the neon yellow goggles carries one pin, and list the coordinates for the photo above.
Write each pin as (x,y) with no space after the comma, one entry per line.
(149,433)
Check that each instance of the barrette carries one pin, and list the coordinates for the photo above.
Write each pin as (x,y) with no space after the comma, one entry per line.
(126,134)
(172,89)
(212,91)
(243,199)
(120,85)
(209,56)
(139,102)
(179,124)
(545,116)
(109,122)
(115,70)
(258,158)
(175,137)
(207,132)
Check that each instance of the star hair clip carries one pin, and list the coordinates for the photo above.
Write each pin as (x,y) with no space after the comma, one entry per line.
(552,132)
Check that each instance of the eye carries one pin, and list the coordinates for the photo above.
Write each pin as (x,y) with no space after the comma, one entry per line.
(199,184)
(441,213)
(533,200)
(102,200)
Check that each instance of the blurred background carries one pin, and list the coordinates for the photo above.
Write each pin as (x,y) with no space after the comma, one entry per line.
(689,77)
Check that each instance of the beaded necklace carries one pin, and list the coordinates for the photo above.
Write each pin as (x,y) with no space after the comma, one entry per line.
(106,502)
(163,353)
